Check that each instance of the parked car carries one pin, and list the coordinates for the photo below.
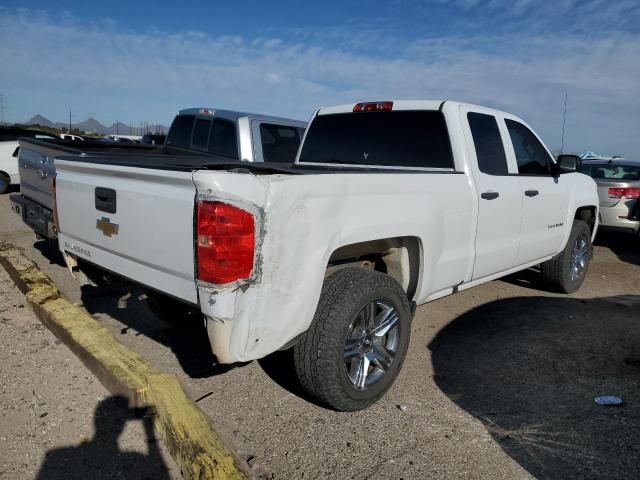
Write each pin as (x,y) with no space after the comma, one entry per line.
(198,136)
(618,183)
(388,205)
(9,149)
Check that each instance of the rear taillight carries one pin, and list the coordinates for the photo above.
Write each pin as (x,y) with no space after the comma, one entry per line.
(226,242)
(624,192)
(372,106)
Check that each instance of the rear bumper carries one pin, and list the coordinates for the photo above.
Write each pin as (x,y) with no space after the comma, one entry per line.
(624,215)
(37,217)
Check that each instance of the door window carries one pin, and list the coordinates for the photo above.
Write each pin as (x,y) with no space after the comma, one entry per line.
(488,143)
(279,142)
(531,156)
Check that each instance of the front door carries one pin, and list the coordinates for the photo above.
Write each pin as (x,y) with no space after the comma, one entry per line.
(545,197)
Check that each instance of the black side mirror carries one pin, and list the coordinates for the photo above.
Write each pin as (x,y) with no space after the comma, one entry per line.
(568,163)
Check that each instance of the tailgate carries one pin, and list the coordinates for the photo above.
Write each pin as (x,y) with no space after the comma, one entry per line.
(136,222)
(36,166)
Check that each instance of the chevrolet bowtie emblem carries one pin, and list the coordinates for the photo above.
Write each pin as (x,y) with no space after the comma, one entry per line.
(107,228)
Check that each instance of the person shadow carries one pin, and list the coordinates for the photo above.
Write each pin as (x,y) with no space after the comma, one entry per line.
(101,458)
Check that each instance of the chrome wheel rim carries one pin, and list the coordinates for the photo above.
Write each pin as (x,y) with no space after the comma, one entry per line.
(371,344)
(579,258)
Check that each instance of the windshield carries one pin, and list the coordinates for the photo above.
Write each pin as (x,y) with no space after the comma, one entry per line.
(400,138)
(609,171)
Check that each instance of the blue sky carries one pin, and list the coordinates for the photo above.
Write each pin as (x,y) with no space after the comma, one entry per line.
(143,61)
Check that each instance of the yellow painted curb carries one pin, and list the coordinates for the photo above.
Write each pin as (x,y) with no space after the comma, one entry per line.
(184,428)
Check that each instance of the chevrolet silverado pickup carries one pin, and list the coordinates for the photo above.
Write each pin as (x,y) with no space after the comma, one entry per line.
(195,132)
(388,205)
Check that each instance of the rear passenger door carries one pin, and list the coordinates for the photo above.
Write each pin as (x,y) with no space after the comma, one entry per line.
(499,193)
(545,197)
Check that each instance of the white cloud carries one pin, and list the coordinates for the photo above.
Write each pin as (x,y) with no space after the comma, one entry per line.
(53,63)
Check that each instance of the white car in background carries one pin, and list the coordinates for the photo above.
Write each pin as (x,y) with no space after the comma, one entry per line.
(9,149)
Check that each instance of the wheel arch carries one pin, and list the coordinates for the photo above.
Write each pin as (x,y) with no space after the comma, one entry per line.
(398,257)
(588,214)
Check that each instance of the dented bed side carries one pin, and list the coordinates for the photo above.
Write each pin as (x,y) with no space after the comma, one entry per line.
(304,220)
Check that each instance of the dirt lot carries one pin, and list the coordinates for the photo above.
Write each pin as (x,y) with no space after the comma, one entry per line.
(498,383)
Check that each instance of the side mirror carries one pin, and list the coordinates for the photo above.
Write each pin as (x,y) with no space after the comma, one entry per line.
(568,163)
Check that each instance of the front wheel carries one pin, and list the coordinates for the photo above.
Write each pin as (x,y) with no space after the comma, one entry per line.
(358,340)
(567,270)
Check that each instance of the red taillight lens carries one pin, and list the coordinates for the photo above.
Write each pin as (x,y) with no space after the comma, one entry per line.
(624,192)
(226,241)
(372,106)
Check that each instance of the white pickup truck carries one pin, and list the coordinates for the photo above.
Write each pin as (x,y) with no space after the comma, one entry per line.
(388,205)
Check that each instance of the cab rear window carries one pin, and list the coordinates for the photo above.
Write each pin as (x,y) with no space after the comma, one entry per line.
(404,138)
(217,136)
(180,131)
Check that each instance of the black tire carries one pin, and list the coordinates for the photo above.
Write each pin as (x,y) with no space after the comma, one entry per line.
(173,312)
(558,271)
(4,183)
(320,354)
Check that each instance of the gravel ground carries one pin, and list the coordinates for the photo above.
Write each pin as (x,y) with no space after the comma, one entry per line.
(498,383)
(56,420)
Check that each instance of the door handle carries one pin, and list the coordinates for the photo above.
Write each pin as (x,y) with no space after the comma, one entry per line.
(531,193)
(490,195)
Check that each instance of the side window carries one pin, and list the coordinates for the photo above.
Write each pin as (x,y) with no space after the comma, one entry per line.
(279,142)
(201,133)
(489,148)
(531,156)
(223,139)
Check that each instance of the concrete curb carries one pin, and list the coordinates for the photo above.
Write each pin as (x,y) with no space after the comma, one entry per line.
(184,428)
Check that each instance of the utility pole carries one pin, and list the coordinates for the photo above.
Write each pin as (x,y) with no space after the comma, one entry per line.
(564,121)
(117,126)
(2,119)
(69,121)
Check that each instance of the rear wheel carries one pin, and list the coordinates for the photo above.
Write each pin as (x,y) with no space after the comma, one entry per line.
(567,270)
(4,183)
(357,342)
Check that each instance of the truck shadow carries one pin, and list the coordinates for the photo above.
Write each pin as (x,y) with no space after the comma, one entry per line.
(127,304)
(624,245)
(190,345)
(101,457)
(49,250)
(529,369)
